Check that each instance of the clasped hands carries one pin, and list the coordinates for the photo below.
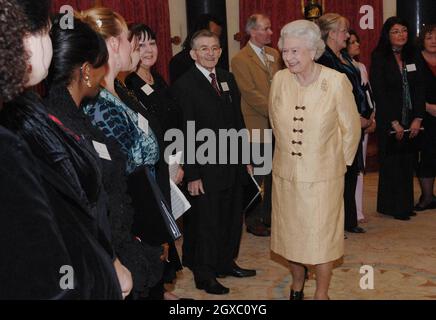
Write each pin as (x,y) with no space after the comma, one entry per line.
(368,125)
(415,127)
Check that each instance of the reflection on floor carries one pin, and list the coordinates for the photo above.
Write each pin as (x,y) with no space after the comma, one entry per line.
(402,255)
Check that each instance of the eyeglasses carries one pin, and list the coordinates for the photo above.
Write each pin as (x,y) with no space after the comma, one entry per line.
(209,50)
(397,32)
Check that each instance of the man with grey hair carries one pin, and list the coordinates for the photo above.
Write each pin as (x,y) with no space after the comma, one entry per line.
(209,98)
(254,67)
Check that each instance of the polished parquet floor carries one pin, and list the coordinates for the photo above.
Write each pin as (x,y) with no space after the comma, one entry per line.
(402,255)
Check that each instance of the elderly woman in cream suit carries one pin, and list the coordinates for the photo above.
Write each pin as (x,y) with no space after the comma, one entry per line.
(317,128)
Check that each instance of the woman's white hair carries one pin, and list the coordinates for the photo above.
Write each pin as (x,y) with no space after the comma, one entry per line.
(306,30)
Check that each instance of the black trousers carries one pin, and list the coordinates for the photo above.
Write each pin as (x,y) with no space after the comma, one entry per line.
(395,185)
(261,210)
(214,227)
(350,208)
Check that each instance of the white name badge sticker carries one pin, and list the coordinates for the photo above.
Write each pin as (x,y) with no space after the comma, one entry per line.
(147,89)
(101,150)
(411,67)
(270,57)
(143,123)
(225,86)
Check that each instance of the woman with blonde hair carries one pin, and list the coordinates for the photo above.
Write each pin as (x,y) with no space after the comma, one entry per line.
(119,114)
(315,121)
(334,32)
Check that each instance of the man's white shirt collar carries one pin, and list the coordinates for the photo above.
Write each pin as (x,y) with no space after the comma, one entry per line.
(206,72)
(257,50)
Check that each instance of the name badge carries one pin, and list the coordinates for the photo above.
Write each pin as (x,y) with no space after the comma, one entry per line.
(270,57)
(143,123)
(225,86)
(147,89)
(101,150)
(411,67)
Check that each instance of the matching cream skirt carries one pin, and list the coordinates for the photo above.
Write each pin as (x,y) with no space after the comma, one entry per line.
(308,220)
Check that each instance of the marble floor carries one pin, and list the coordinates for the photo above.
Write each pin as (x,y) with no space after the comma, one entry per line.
(401,255)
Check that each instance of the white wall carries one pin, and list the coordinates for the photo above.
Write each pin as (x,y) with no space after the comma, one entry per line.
(179,26)
(389,9)
(232,7)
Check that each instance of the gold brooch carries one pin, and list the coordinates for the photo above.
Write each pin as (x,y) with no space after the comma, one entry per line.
(324,85)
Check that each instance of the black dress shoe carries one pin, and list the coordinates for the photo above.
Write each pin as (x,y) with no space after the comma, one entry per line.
(299,295)
(259,230)
(412,214)
(431,205)
(356,230)
(403,218)
(212,286)
(237,272)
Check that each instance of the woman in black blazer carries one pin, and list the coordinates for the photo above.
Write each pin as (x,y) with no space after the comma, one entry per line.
(334,30)
(78,66)
(150,88)
(426,170)
(399,91)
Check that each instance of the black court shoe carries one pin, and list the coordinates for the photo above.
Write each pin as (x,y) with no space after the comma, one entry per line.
(299,295)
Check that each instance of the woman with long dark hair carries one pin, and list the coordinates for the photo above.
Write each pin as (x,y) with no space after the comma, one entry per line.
(353,50)
(399,92)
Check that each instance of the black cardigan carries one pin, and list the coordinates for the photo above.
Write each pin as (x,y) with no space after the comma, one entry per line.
(387,86)
(31,246)
(79,224)
(329,59)
(141,259)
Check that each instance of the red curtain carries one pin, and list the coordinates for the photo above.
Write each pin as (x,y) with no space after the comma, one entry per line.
(154,13)
(284,11)
(76,4)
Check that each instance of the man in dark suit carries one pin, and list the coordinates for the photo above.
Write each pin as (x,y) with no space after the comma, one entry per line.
(210,100)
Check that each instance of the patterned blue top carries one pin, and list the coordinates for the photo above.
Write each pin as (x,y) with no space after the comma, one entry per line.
(117,120)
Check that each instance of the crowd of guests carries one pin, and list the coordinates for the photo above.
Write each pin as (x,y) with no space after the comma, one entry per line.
(80,166)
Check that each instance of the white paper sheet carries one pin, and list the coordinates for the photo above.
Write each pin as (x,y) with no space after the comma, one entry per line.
(173,164)
(179,203)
